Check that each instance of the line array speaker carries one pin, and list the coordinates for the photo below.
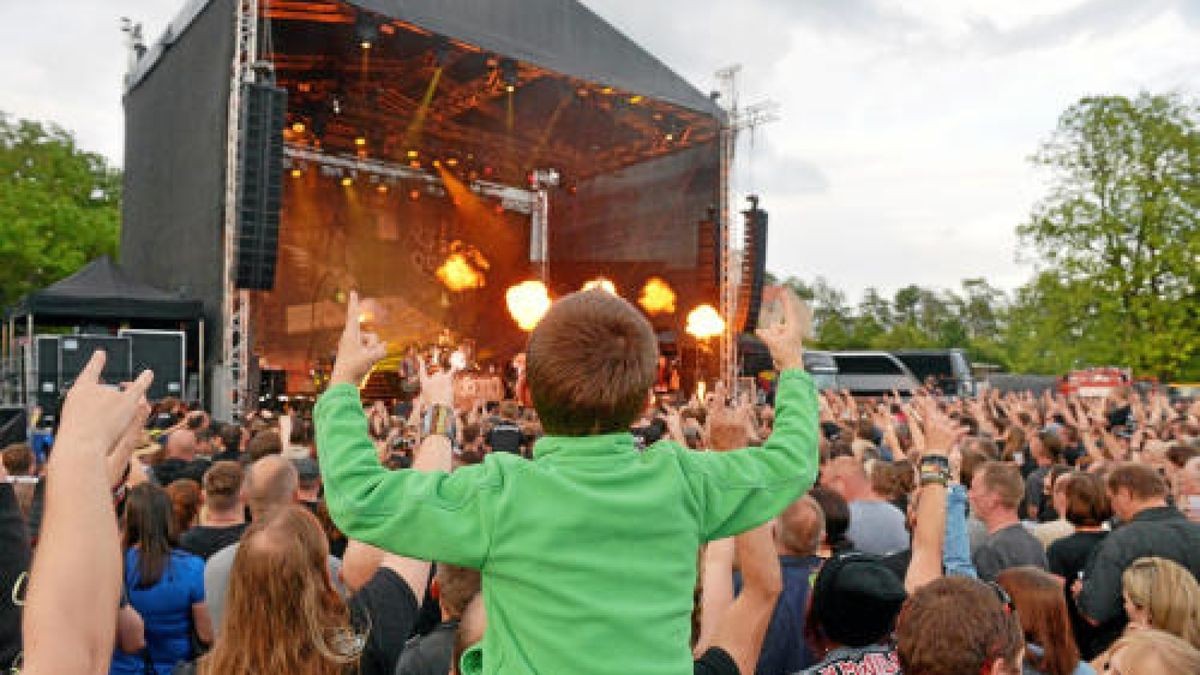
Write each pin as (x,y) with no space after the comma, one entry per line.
(260,185)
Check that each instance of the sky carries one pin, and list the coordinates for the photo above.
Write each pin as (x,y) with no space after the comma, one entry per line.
(902,152)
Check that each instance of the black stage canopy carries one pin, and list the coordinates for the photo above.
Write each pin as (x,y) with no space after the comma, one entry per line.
(101,290)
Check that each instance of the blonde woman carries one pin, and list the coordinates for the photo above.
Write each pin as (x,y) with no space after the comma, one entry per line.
(1151,652)
(1162,594)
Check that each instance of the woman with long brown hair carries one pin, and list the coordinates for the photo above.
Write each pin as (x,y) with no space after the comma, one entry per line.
(283,615)
(1049,644)
(165,585)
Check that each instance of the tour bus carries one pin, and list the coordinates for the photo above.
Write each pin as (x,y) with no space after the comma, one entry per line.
(873,373)
(945,370)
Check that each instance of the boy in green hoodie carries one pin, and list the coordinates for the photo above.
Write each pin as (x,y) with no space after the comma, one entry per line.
(587,552)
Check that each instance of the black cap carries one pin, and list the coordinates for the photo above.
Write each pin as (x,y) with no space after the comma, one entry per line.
(856,599)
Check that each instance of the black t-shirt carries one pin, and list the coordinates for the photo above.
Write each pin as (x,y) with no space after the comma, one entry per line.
(715,661)
(1067,558)
(505,436)
(204,541)
(14,563)
(386,610)
(171,470)
(429,654)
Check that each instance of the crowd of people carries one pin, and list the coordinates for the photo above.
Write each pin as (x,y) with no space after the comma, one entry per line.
(587,525)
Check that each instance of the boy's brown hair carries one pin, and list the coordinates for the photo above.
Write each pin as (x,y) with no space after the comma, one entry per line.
(590,364)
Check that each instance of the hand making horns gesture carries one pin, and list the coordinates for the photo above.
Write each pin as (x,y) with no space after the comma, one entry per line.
(786,340)
(357,351)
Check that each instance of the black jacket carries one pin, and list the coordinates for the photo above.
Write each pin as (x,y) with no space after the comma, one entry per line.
(1160,531)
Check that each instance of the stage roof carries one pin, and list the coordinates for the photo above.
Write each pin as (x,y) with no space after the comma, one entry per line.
(101,290)
(560,35)
(506,85)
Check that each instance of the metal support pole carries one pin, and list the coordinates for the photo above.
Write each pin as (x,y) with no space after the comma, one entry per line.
(29,342)
(200,372)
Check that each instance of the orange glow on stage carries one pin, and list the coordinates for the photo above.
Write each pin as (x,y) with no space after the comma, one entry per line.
(657,297)
(463,269)
(527,302)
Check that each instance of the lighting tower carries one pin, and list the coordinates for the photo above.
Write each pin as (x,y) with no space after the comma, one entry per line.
(736,119)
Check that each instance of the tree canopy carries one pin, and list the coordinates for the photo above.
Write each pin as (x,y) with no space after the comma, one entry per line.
(1116,244)
(59,206)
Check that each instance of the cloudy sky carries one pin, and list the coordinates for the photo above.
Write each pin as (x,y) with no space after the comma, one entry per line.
(902,152)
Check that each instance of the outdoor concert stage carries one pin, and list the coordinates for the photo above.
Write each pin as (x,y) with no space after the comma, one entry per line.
(413,130)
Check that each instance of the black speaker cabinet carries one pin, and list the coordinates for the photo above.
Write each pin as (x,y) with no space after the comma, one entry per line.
(163,352)
(260,185)
(75,350)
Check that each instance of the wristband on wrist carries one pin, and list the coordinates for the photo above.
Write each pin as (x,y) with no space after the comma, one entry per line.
(439,419)
(935,469)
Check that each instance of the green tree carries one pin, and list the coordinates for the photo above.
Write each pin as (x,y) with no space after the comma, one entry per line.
(59,206)
(1118,238)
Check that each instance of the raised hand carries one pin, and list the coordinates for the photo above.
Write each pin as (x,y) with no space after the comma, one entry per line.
(785,340)
(96,416)
(357,351)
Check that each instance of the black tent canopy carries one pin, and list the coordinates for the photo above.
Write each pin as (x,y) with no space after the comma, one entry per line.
(102,290)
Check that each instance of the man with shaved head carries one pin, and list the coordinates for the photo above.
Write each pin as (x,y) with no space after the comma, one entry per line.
(180,459)
(270,484)
(876,526)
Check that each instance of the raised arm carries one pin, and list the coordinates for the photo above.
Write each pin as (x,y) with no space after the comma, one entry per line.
(742,489)
(75,586)
(430,515)
(743,626)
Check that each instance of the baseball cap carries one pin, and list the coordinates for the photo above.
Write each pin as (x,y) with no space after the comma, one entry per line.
(856,599)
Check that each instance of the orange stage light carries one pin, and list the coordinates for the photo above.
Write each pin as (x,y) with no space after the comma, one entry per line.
(704,322)
(657,297)
(527,302)
(463,270)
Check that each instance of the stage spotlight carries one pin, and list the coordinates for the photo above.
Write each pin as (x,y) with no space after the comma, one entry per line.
(669,137)
(437,163)
(298,127)
(415,164)
(366,29)
(601,283)
(360,141)
(509,74)
(636,99)
(414,195)
(606,91)
(296,173)
(452,161)
(381,188)
(347,181)
(336,105)
(413,154)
